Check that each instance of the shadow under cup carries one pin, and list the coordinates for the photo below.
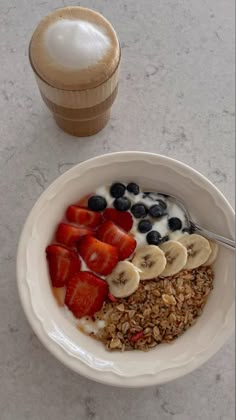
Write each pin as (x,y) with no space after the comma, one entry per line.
(80,112)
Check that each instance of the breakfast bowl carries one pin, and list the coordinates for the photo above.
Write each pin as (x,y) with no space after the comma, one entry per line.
(80,352)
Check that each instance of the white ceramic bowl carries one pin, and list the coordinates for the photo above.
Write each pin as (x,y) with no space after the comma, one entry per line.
(83,354)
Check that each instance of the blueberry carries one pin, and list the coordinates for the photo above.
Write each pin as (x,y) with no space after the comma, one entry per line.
(164,195)
(144,226)
(165,239)
(117,190)
(139,210)
(97,203)
(175,224)
(162,204)
(122,203)
(146,194)
(189,230)
(153,238)
(156,211)
(150,195)
(133,188)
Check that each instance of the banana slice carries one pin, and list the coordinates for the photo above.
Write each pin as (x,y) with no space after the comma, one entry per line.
(124,279)
(150,261)
(176,256)
(198,248)
(214,253)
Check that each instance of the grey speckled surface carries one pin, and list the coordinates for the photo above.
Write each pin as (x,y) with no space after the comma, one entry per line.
(176,98)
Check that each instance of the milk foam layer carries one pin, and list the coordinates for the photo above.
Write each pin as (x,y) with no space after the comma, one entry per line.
(76,44)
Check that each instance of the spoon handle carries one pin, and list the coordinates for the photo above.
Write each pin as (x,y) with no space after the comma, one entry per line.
(229,243)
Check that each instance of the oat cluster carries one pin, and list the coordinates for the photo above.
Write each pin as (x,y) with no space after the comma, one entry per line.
(158,312)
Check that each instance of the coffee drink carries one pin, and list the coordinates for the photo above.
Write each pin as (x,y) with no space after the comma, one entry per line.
(75,55)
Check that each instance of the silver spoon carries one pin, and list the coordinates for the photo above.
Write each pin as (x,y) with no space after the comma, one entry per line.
(194,227)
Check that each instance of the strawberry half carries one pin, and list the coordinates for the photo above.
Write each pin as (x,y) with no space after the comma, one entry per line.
(99,257)
(83,216)
(122,219)
(69,234)
(63,263)
(111,297)
(113,235)
(85,294)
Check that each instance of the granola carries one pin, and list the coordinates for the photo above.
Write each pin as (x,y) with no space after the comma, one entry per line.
(158,312)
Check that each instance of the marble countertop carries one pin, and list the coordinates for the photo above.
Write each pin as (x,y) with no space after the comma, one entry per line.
(176,98)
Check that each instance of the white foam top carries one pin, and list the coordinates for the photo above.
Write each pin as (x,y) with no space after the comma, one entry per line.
(76,44)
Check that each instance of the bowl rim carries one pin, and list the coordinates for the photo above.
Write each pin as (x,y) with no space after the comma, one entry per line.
(52,347)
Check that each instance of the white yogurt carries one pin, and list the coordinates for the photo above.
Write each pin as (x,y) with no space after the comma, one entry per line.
(159,225)
(89,326)
(86,323)
(104,192)
(76,44)
(84,267)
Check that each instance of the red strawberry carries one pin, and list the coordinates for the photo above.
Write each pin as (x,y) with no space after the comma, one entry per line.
(137,337)
(122,219)
(63,263)
(111,297)
(99,257)
(113,235)
(85,294)
(69,234)
(83,217)
(83,202)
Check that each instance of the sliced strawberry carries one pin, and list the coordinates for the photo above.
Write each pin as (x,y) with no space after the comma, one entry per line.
(99,257)
(85,294)
(111,297)
(122,219)
(63,263)
(113,235)
(83,202)
(70,235)
(83,217)
(137,337)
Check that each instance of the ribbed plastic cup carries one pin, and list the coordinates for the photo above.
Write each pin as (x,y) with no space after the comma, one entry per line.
(80,102)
